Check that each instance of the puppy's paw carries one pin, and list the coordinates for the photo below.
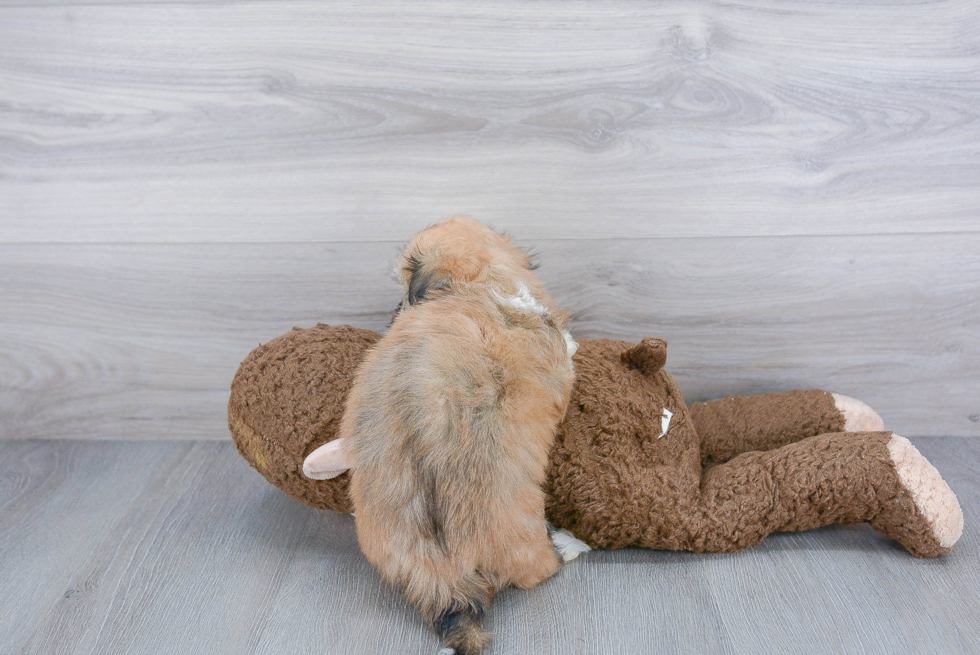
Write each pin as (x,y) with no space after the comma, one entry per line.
(858,417)
(567,545)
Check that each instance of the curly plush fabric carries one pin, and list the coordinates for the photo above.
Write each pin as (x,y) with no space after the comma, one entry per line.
(724,475)
(733,424)
(287,399)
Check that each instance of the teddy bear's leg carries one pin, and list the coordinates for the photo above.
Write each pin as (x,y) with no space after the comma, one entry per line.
(736,424)
(873,477)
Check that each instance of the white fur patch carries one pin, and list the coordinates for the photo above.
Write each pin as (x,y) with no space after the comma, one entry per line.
(567,545)
(523,301)
(570,343)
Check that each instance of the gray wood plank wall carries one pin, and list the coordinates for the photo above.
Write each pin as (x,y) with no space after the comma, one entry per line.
(788,191)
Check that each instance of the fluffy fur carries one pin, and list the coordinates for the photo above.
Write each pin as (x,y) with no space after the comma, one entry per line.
(449,424)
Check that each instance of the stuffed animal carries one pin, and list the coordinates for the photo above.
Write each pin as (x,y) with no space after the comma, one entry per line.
(632,464)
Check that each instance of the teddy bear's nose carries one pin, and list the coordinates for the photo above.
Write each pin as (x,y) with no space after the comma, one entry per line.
(649,356)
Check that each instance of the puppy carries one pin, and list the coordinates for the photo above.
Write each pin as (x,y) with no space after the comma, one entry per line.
(449,423)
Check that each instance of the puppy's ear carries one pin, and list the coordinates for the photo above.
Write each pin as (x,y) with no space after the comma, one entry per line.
(423,277)
(424,282)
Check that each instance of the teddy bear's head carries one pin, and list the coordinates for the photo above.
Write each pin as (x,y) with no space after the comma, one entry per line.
(626,424)
(287,399)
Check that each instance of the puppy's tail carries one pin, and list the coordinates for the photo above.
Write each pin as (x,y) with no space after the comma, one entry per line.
(458,623)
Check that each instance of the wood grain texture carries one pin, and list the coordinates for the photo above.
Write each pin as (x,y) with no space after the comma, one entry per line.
(181,570)
(56,501)
(193,552)
(343,121)
(141,341)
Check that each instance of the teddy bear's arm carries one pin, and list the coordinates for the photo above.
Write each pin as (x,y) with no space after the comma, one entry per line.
(737,424)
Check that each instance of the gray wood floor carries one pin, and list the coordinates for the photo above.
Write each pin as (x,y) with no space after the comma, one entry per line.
(179,547)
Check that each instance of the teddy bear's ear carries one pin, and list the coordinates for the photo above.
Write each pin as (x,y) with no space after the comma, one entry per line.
(648,356)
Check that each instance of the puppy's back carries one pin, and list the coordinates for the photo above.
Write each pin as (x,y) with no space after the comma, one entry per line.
(449,425)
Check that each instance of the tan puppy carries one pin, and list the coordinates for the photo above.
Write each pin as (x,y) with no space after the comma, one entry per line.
(449,424)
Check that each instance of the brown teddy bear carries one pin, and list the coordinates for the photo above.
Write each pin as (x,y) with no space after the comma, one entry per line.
(632,464)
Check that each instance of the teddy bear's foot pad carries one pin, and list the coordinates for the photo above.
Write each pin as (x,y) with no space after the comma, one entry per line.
(858,416)
(932,496)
